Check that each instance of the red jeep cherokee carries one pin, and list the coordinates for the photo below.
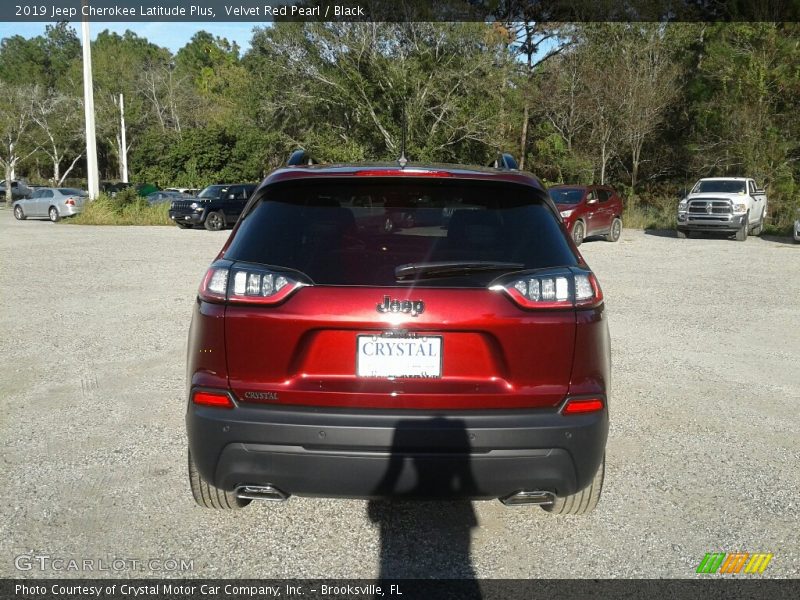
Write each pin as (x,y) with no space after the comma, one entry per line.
(461,353)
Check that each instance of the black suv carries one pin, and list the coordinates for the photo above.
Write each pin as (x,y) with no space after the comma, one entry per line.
(216,207)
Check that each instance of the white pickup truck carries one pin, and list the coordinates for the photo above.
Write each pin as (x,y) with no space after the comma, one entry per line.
(731,204)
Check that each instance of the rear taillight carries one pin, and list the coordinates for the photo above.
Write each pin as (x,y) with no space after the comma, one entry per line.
(249,284)
(560,288)
(215,399)
(579,406)
(70,202)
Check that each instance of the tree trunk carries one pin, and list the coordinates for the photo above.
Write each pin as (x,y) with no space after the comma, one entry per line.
(9,177)
(524,138)
(603,160)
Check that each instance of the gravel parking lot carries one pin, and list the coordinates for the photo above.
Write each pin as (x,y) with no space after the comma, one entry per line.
(702,457)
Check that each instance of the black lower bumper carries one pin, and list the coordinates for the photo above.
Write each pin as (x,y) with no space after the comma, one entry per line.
(188,218)
(730,224)
(370,454)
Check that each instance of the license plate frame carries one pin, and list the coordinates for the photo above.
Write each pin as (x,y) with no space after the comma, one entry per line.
(396,366)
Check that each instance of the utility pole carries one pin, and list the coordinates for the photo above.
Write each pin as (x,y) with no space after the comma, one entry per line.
(88,103)
(124,146)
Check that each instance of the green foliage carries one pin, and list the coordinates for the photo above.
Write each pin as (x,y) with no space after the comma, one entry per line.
(123,209)
(644,106)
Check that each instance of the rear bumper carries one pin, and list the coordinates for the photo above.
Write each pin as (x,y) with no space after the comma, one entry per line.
(369,454)
(696,222)
(70,211)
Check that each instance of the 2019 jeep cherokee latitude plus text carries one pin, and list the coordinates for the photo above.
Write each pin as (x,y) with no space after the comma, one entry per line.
(463,354)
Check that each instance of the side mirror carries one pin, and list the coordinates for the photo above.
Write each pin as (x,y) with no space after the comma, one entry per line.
(683,193)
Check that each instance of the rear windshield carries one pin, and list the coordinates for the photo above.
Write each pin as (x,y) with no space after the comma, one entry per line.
(566,195)
(72,192)
(719,187)
(345,232)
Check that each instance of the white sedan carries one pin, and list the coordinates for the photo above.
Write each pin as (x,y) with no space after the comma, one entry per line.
(50,203)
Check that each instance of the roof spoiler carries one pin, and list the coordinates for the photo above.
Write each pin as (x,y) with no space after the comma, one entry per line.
(301,158)
(505,161)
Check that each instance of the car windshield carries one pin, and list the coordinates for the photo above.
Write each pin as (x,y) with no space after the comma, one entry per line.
(448,234)
(713,186)
(71,192)
(566,195)
(213,191)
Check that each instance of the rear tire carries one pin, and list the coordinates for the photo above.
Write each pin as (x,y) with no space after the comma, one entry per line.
(583,502)
(578,231)
(682,234)
(215,221)
(53,214)
(208,496)
(19,214)
(616,230)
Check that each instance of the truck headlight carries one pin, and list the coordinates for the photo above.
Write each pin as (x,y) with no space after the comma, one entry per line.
(194,205)
(739,208)
(682,206)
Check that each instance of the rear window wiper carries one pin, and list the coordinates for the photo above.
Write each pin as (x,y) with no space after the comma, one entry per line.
(422,269)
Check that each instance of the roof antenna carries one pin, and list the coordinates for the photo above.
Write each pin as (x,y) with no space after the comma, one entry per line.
(403,161)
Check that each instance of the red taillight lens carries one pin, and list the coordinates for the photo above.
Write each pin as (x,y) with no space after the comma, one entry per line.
(248,284)
(70,202)
(215,399)
(579,406)
(558,288)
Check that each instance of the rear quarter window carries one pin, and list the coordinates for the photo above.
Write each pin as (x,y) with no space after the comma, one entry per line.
(345,232)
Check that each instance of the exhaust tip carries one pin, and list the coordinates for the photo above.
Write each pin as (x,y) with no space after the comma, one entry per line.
(261,492)
(524,497)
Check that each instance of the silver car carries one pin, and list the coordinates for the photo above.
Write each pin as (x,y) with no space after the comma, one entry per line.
(50,203)
(796,228)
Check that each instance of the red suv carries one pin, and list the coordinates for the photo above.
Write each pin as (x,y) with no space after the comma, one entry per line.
(589,210)
(464,354)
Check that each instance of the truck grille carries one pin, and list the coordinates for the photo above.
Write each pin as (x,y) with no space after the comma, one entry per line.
(710,207)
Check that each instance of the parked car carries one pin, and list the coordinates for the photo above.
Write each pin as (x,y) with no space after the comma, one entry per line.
(797,227)
(51,203)
(734,205)
(589,210)
(19,189)
(165,196)
(468,360)
(216,207)
(182,190)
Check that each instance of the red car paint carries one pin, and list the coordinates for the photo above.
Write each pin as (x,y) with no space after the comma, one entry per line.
(498,353)
(593,206)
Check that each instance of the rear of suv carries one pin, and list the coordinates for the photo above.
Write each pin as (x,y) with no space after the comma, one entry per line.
(215,207)
(463,354)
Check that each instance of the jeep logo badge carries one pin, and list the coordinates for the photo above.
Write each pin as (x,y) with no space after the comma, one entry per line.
(410,307)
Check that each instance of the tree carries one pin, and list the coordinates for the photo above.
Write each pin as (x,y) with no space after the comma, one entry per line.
(646,77)
(58,118)
(15,122)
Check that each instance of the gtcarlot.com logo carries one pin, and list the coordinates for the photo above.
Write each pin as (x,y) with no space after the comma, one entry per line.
(46,562)
(734,562)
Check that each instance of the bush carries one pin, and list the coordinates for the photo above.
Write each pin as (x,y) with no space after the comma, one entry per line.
(126,208)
